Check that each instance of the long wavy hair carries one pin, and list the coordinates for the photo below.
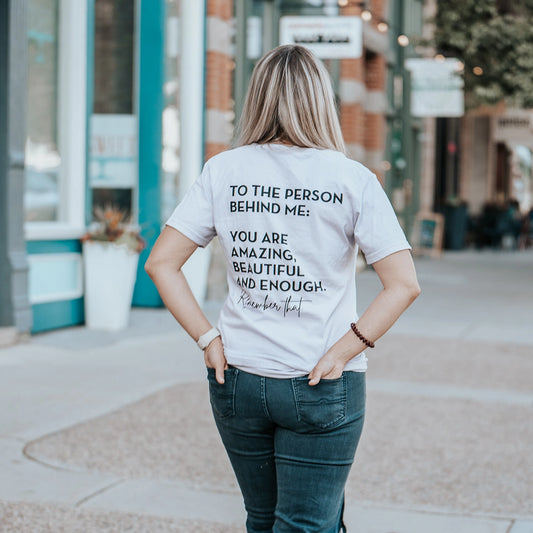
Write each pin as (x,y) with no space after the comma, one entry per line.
(290,100)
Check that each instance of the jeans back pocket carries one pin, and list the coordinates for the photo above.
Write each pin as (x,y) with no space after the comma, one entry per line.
(322,405)
(222,396)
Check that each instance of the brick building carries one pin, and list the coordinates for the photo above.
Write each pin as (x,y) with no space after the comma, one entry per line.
(137,95)
(360,83)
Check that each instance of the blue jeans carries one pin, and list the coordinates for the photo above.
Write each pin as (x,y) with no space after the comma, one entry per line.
(291,446)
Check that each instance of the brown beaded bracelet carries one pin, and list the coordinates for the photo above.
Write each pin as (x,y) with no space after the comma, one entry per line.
(363,339)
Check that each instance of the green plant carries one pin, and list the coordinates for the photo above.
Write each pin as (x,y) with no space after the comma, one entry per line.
(113,225)
(493,39)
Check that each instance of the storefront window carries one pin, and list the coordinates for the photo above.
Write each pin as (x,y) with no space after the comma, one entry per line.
(114,126)
(43,159)
(170,156)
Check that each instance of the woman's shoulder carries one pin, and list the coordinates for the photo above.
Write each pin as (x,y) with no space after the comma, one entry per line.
(333,160)
(347,168)
(231,154)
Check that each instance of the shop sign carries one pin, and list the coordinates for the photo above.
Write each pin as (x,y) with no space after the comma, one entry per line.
(436,87)
(326,37)
(254,38)
(514,127)
(113,151)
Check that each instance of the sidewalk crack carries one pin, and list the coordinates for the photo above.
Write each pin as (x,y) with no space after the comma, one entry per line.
(98,492)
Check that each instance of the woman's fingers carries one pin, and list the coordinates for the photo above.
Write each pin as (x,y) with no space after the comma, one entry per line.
(326,368)
(215,358)
(219,366)
(322,369)
(219,372)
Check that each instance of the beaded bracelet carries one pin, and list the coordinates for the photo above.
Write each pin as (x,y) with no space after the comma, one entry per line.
(363,339)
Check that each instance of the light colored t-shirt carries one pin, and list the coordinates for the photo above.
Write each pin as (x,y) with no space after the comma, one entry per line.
(290,221)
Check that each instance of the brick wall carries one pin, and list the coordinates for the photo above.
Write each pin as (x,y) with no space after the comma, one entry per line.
(219,77)
(362,87)
(363,92)
(219,114)
(362,101)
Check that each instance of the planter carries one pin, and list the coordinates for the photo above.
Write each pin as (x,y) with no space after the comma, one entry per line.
(110,273)
(455,226)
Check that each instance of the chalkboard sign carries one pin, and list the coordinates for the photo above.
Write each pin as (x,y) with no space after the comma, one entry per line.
(428,234)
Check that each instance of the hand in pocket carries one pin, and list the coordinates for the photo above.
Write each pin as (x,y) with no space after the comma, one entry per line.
(214,358)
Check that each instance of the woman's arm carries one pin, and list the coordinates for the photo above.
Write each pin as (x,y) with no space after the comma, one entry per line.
(169,254)
(400,289)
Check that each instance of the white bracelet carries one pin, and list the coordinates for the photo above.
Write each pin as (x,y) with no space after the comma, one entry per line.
(206,338)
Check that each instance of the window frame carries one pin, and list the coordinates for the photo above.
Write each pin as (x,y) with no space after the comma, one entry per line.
(72,117)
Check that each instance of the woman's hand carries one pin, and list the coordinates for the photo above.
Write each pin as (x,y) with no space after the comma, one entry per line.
(214,358)
(400,288)
(329,367)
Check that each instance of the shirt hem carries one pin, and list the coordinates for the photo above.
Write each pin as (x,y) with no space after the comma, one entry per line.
(358,364)
(190,234)
(384,252)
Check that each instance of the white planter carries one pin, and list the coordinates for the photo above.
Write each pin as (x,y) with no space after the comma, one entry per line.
(110,273)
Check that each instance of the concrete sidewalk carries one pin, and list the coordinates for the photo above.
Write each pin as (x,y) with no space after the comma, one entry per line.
(96,432)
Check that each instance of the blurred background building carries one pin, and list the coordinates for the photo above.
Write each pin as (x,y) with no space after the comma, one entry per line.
(121,101)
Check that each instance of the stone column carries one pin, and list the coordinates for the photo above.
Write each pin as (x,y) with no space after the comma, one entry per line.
(15,309)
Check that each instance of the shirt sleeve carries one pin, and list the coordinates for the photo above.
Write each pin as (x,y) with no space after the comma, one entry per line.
(377,230)
(194,214)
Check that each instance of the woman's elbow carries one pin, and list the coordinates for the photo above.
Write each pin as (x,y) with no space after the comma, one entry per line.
(412,290)
(407,290)
(152,266)
(155,266)
(149,268)
(416,291)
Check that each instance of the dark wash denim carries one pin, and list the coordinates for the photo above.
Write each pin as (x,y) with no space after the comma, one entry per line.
(291,446)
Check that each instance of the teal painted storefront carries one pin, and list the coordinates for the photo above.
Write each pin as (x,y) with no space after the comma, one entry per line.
(61,311)
(151,78)
(54,315)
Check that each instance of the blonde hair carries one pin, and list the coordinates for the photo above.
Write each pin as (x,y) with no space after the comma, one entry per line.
(290,99)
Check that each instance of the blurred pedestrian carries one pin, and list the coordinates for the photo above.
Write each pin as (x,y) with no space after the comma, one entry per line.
(286,366)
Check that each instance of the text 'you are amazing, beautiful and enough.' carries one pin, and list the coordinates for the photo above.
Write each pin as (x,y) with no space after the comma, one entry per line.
(265,268)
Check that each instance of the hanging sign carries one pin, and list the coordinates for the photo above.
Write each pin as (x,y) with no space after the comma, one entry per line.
(436,87)
(326,37)
(514,127)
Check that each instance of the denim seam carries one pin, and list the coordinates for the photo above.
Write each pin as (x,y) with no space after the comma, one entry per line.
(263,398)
(296,399)
(234,389)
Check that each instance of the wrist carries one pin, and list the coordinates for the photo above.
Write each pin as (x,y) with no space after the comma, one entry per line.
(205,340)
(367,342)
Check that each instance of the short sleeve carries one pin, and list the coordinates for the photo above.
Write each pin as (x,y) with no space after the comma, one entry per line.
(377,230)
(194,214)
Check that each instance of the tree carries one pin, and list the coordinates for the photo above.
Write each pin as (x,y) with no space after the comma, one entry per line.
(494,40)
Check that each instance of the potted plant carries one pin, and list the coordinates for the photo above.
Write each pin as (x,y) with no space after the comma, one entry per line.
(111,249)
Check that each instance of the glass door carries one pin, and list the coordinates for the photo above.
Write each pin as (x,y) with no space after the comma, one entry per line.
(113,169)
